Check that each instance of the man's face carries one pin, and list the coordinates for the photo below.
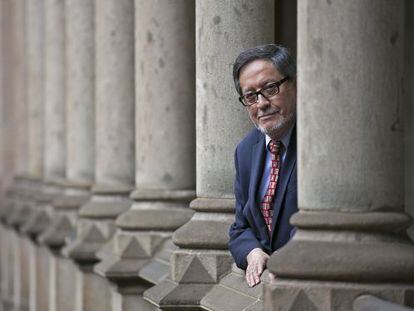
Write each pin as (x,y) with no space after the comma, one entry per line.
(272,116)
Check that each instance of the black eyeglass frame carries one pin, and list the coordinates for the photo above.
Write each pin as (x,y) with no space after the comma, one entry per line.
(278,84)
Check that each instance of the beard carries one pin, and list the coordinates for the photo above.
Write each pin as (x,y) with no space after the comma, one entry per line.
(279,128)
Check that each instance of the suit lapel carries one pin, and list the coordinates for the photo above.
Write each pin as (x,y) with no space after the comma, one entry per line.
(257,164)
(285,172)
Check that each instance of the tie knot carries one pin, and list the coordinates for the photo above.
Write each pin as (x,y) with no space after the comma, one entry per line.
(274,147)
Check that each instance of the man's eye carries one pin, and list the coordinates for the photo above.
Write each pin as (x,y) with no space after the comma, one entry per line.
(249,96)
(271,89)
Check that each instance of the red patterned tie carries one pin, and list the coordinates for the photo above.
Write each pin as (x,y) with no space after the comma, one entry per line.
(266,205)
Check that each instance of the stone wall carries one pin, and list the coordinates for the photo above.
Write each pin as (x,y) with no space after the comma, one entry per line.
(118,124)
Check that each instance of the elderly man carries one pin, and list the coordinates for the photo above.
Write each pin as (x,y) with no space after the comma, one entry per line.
(265,160)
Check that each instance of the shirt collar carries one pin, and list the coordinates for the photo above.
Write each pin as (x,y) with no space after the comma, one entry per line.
(285,139)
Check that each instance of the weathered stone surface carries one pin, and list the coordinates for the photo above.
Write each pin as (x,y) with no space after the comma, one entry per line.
(114,93)
(409,111)
(233,293)
(367,180)
(92,292)
(105,207)
(39,277)
(38,222)
(55,235)
(54,105)
(79,90)
(308,295)
(91,236)
(68,202)
(213,205)
(198,266)
(372,303)
(205,230)
(352,241)
(158,268)
(155,215)
(351,223)
(216,22)
(34,15)
(169,295)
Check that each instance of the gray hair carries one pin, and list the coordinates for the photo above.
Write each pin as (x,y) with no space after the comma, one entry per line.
(279,55)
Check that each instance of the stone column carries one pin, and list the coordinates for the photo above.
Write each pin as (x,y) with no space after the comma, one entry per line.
(350,237)
(8,157)
(32,145)
(203,258)
(165,150)
(17,74)
(79,143)
(53,153)
(114,143)
(409,111)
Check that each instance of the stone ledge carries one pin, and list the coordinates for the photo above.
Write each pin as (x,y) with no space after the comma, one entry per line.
(163,195)
(295,295)
(70,202)
(108,209)
(213,205)
(347,248)
(169,295)
(233,293)
(155,215)
(369,221)
(205,231)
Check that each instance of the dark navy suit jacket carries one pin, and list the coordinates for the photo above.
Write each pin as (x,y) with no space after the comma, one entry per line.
(249,230)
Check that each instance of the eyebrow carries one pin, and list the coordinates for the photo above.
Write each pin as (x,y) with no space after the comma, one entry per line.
(246,91)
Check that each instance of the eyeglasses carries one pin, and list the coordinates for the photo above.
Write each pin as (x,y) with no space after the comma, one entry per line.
(267,92)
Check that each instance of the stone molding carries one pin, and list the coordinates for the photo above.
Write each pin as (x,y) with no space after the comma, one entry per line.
(347,247)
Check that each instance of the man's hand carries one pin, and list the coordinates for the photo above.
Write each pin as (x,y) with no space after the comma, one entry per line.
(256,263)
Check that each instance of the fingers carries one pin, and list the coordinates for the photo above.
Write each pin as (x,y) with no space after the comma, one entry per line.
(272,277)
(252,278)
(253,273)
(256,260)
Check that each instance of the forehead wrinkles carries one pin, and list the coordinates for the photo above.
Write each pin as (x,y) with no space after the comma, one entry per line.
(257,73)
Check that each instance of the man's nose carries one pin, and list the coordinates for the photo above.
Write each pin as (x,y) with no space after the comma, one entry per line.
(262,101)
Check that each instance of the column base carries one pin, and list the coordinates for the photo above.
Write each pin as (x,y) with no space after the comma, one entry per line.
(349,247)
(95,226)
(201,260)
(336,256)
(298,295)
(142,245)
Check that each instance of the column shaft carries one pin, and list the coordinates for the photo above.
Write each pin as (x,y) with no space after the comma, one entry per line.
(54,163)
(35,85)
(114,93)
(409,111)
(114,145)
(165,150)
(80,121)
(350,160)
(221,122)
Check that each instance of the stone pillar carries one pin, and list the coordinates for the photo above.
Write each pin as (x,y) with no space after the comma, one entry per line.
(203,258)
(165,150)
(114,142)
(79,143)
(19,86)
(8,157)
(53,150)
(17,276)
(409,111)
(350,237)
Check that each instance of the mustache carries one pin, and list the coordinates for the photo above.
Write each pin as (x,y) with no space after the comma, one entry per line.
(268,110)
